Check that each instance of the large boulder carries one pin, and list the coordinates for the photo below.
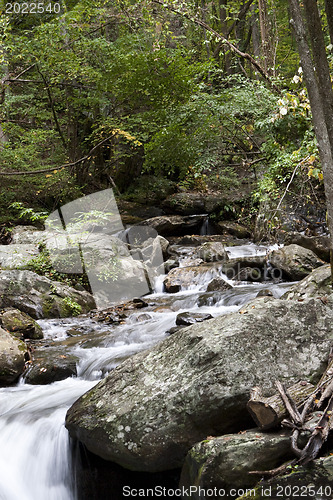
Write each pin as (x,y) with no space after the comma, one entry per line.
(316,284)
(20,324)
(176,225)
(149,411)
(294,261)
(41,297)
(25,235)
(11,358)
(320,245)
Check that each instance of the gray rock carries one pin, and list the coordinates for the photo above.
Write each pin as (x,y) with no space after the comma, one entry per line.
(294,261)
(224,462)
(235,229)
(27,235)
(17,256)
(320,245)
(20,324)
(11,358)
(182,278)
(40,297)
(50,365)
(212,251)
(189,318)
(175,224)
(155,406)
(218,284)
(316,284)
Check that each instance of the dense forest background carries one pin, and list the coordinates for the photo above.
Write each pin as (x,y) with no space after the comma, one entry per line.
(151,98)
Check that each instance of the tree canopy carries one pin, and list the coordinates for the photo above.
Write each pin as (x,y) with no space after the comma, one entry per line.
(97,94)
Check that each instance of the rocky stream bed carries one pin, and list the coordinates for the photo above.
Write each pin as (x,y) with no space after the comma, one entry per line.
(153,391)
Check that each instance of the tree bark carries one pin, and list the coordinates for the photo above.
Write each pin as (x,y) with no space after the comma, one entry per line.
(329,15)
(269,412)
(318,105)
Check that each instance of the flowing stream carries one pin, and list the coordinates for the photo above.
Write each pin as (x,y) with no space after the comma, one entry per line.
(36,459)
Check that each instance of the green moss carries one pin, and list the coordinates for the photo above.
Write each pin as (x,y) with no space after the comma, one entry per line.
(70,307)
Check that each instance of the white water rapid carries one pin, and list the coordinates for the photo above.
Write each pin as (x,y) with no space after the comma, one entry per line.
(35,457)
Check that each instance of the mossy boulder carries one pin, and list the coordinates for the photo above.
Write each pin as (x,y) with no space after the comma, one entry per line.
(41,297)
(20,324)
(224,462)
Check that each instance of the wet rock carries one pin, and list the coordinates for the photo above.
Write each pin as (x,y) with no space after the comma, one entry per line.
(182,278)
(50,365)
(175,329)
(265,293)
(294,261)
(20,324)
(11,358)
(218,285)
(225,462)
(249,274)
(40,297)
(119,311)
(212,252)
(189,318)
(150,410)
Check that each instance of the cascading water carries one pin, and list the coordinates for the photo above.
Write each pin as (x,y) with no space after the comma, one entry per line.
(36,460)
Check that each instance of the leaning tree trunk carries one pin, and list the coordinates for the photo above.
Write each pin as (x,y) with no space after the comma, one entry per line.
(320,94)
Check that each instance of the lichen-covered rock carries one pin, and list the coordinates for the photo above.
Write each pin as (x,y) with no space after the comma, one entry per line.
(41,297)
(20,324)
(294,261)
(11,358)
(149,411)
(224,462)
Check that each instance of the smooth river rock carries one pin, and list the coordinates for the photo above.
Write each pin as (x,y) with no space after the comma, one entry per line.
(149,411)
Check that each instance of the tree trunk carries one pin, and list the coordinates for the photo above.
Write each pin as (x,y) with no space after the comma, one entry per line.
(320,101)
(329,15)
(267,39)
(269,412)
